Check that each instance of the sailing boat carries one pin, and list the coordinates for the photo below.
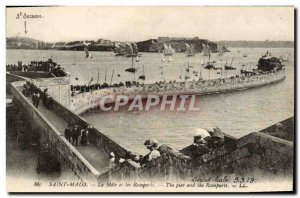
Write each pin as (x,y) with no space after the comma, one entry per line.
(86,50)
(209,65)
(112,75)
(230,66)
(187,72)
(168,50)
(170,59)
(128,50)
(131,50)
(137,59)
(180,73)
(190,50)
(286,57)
(142,76)
(163,58)
(188,68)
(135,49)
(206,50)
(200,74)
(119,49)
(131,69)
(162,74)
(218,68)
(220,49)
(202,63)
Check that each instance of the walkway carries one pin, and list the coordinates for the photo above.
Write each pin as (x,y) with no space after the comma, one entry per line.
(91,153)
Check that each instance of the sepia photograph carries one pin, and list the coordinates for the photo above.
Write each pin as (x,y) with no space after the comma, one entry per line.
(185,99)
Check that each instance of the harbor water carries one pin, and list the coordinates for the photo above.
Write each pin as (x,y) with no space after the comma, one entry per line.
(235,113)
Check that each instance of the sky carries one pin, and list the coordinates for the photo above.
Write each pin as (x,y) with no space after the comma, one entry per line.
(142,23)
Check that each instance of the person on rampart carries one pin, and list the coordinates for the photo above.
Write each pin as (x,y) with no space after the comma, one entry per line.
(75,135)
(199,147)
(217,138)
(33,98)
(152,145)
(68,133)
(84,137)
(112,160)
(37,100)
(48,101)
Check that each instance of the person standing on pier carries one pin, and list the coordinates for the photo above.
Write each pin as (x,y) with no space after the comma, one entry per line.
(199,148)
(33,98)
(152,145)
(84,134)
(37,102)
(68,133)
(75,135)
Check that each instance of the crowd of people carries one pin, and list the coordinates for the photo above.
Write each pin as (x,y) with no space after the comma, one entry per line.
(140,160)
(29,89)
(74,135)
(36,99)
(41,66)
(205,140)
(245,77)
(97,86)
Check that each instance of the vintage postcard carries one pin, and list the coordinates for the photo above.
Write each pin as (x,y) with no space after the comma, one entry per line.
(150,99)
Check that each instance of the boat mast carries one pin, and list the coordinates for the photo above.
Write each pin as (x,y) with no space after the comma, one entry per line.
(286,57)
(132,61)
(161,74)
(231,61)
(180,77)
(98,76)
(200,73)
(112,75)
(105,75)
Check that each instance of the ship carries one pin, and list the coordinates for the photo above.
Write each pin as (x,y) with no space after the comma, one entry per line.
(131,50)
(285,59)
(142,76)
(126,49)
(206,50)
(190,50)
(268,63)
(168,50)
(220,49)
(86,50)
(229,67)
(132,69)
(119,49)
(209,64)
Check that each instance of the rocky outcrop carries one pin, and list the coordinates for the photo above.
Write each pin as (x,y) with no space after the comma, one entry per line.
(177,43)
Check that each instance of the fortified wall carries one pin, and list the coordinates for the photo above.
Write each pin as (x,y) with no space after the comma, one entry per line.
(82,102)
(253,154)
(53,139)
(57,87)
